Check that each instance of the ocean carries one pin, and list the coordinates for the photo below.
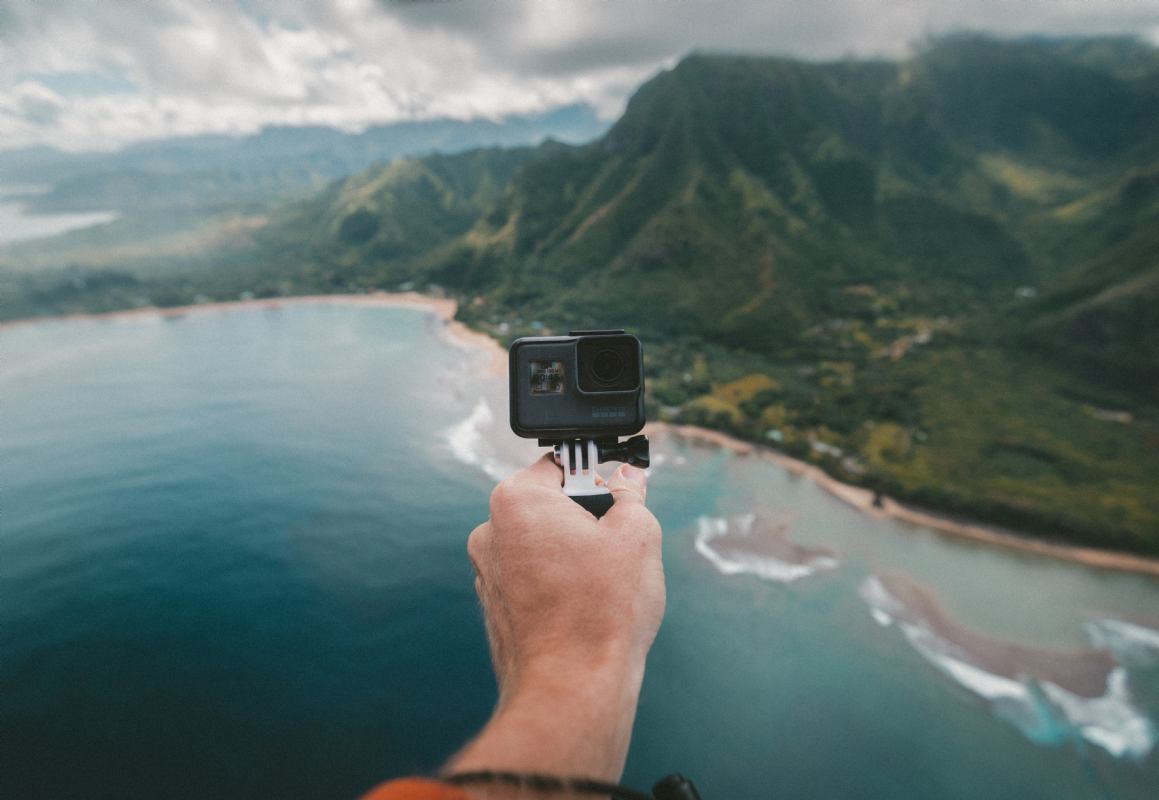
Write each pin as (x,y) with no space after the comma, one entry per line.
(17,224)
(232,565)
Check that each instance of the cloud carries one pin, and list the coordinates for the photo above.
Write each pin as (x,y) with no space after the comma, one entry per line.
(37,104)
(96,75)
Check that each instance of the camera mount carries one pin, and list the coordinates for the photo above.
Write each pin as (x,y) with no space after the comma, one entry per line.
(579,457)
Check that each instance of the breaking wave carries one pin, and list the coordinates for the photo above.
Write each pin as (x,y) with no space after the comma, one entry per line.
(1044,711)
(1131,644)
(1111,722)
(476,441)
(469,444)
(746,544)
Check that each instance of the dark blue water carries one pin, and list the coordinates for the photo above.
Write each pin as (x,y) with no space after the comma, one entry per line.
(232,565)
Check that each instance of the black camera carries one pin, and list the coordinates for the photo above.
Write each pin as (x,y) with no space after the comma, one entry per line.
(579,394)
(587,385)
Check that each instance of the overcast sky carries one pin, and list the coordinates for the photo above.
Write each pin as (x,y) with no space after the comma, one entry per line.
(94,74)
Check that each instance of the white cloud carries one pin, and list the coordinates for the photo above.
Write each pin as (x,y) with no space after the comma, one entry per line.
(200,66)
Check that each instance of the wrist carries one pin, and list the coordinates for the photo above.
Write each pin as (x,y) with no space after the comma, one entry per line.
(562,716)
(606,671)
(605,674)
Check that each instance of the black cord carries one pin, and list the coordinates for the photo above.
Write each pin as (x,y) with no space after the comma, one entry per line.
(547,783)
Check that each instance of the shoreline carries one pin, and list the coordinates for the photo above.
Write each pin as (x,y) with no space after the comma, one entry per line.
(444,309)
(862,500)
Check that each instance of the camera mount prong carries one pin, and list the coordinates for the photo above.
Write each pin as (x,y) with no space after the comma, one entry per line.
(578,458)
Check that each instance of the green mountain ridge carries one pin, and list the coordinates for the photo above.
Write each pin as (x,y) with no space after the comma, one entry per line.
(935,277)
(795,221)
(800,168)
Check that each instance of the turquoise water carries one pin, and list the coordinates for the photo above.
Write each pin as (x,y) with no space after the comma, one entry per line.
(232,565)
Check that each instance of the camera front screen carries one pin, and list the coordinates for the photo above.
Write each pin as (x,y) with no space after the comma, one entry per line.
(546,377)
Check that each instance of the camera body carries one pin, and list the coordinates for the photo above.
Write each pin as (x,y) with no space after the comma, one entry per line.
(586,385)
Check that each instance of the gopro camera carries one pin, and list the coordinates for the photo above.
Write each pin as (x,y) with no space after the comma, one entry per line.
(589,384)
(579,394)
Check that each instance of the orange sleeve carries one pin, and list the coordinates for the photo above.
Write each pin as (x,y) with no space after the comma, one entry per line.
(415,789)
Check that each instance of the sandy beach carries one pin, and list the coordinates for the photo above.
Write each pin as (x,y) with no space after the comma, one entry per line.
(444,307)
(862,499)
(1082,672)
(859,498)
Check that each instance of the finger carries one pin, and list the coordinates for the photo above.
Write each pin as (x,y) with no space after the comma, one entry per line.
(629,484)
(544,472)
(628,514)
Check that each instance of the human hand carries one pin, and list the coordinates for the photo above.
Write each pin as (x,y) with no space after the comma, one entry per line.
(561,589)
(572,605)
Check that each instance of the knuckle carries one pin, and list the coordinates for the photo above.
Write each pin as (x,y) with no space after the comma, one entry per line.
(512,507)
(502,497)
(476,543)
(627,490)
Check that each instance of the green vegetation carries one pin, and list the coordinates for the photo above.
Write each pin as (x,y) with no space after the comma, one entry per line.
(937,278)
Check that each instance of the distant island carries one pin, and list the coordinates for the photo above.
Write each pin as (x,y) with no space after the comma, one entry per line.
(935,278)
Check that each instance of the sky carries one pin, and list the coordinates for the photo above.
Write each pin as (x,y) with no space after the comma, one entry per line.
(97,74)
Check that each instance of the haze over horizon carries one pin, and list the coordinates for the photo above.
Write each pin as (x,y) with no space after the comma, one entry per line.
(87,77)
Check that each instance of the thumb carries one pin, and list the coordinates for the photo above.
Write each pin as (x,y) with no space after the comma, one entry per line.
(629,484)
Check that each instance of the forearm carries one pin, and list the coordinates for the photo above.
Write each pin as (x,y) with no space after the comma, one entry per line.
(572,605)
(561,720)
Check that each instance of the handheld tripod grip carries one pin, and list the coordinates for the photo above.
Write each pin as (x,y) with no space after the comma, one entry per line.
(597,504)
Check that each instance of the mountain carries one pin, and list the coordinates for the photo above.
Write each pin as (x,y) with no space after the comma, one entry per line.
(376,226)
(184,204)
(773,190)
(766,185)
(1103,316)
(933,277)
(178,199)
(274,159)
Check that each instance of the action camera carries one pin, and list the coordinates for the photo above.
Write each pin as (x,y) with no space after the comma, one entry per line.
(587,385)
(578,394)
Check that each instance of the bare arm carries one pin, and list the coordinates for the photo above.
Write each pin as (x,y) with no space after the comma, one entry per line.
(572,605)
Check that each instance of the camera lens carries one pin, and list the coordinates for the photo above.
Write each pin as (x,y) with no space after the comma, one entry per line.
(607,366)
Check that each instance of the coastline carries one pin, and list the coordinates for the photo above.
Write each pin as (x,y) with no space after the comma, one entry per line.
(442,307)
(861,499)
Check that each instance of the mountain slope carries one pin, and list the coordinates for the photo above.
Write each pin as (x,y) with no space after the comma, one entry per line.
(1103,316)
(379,226)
